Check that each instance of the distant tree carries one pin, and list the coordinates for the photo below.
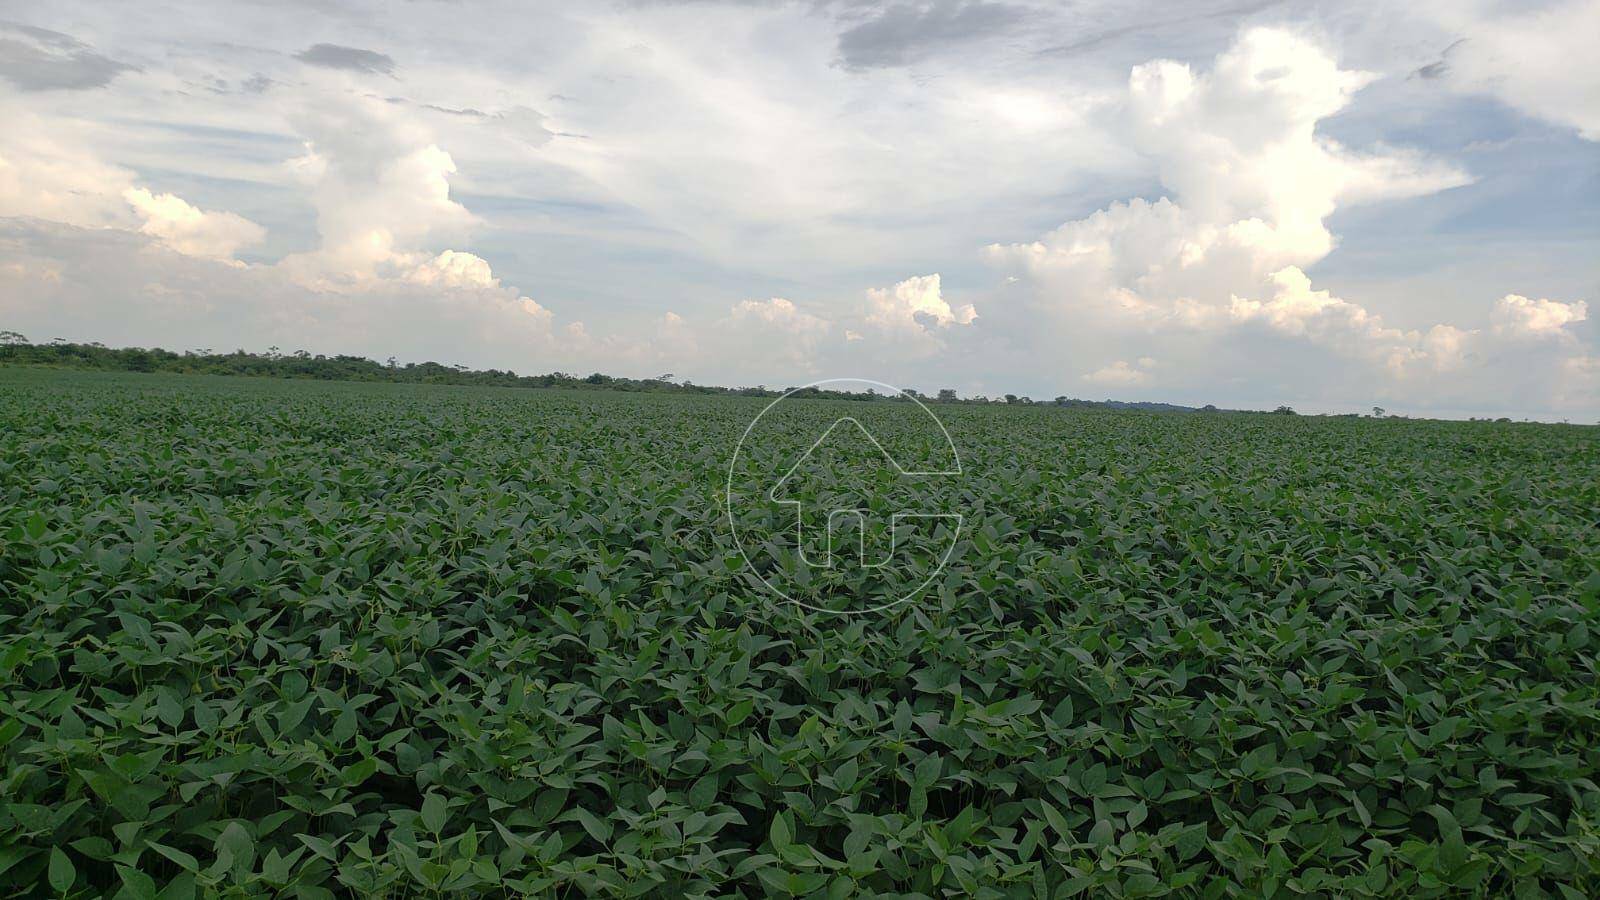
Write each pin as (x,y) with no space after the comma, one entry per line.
(947,395)
(138,360)
(1209,407)
(1012,398)
(1285,411)
(1377,412)
(12,339)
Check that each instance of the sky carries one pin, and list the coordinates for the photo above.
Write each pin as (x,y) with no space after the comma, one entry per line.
(1239,202)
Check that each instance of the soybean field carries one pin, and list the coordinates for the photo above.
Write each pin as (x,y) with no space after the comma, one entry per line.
(297,639)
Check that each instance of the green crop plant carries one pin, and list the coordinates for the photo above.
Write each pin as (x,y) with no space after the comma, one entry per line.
(263,638)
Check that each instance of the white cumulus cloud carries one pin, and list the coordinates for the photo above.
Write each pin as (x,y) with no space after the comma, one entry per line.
(1518,315)
(1120,374)
(1251,186)
(916,302)
(188,229)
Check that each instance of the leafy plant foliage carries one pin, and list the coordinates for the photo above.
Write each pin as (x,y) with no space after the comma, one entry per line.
(310,639)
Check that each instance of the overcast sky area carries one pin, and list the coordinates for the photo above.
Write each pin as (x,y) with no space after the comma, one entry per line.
(1239,202)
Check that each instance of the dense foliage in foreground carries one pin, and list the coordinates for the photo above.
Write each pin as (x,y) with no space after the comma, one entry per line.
(295,638)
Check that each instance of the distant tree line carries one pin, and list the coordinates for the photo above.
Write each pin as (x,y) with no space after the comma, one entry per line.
(15,349)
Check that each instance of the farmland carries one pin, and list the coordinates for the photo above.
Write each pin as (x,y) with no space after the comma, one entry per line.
(263,637)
